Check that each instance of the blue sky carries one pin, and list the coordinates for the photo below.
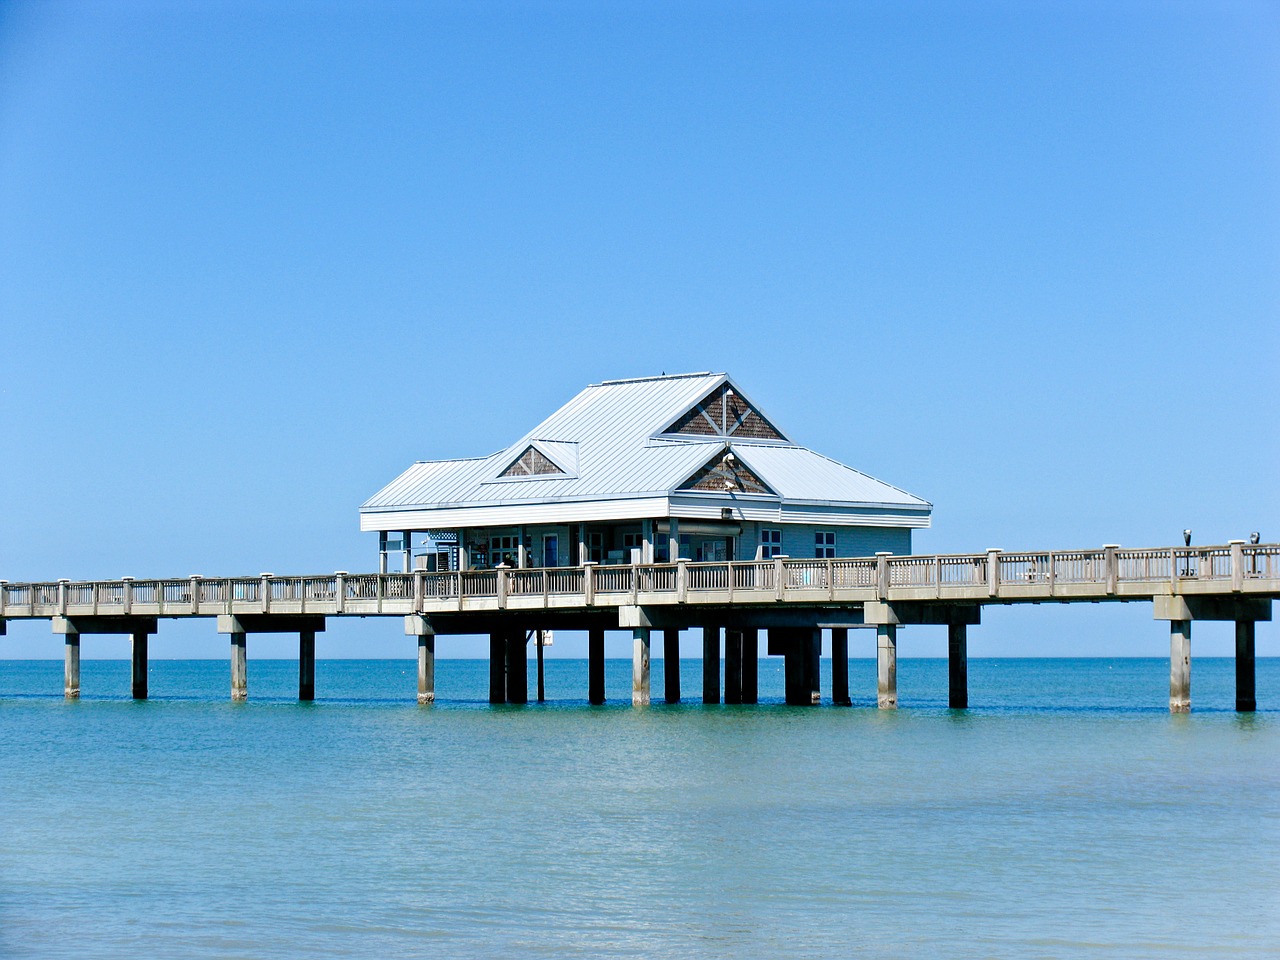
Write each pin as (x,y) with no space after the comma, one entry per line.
(255,258)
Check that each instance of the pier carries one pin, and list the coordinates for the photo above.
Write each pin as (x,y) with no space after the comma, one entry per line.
(730,602)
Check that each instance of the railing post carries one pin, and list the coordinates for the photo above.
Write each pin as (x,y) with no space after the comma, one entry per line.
(635,585)
(264,591)
(418,590)
(501,571)
(126,594)
(4,589)
(589,582)
(778,573)
(1237,565)
(682,580)
(882,574)
(340,590)
(993,571)
(62,597)
(195,593)
(1111,564)
(831,579)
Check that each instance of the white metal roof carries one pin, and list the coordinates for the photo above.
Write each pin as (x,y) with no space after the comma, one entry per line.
(607,440)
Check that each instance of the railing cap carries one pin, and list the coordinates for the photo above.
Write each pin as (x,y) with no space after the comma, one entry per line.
(1233,542)
(340,573)
(126,578)
(995,549)
(64,580)
(195,576)
(591,563)
(884,553)
(1111,546)
(266,574)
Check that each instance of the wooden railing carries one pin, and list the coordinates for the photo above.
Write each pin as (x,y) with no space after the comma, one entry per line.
(1110,572)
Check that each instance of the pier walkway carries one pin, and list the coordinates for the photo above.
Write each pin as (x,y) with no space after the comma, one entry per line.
(793,599)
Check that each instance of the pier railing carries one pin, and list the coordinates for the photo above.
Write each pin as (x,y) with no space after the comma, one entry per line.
(993,576)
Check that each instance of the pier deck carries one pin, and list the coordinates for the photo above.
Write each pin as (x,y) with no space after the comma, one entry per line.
(792,598)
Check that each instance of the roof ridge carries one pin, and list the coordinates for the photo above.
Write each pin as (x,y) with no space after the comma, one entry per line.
(663,376)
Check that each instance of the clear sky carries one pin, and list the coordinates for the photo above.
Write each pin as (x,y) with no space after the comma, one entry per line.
(1022,260)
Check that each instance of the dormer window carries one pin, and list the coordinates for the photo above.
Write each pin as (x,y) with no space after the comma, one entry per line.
(723,413)
(532,463)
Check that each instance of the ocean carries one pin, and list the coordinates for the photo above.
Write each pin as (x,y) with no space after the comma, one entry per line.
(1065,814)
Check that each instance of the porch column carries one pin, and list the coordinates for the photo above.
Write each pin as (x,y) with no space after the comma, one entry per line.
(732,666)
(1246,692)
(139,679)
(595,666)
(306,665)
(406,546)
(840,667)
(957,666)
(497,667)
(640,667)
(239,665)
(887,666)
(517,666)
(1179,666)
(750,666)
(710,664)
(646,549)
(673,548)
(671,665)
(71,667)
(382,551)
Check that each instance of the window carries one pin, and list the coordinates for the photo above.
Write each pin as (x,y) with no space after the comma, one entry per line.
(595,546)
(770,543)
(824,543)
(551,550)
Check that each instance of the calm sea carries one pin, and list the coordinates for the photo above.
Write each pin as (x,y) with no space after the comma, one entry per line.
(1067,814)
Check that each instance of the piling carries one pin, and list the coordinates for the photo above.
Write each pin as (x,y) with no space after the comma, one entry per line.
(517,666)
(427,668)
(733,666)
(750,666)
(306,665)
(1246,691)
(71,667)
(710,664)
(497,667)
(671,665)
(1179,666)
(239,666)
(887,666)
(139,678)
(840,667)
(595,666)
(957,666)
(640,667)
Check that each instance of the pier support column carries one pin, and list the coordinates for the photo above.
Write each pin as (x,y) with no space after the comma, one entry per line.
(640,667)
(239,666)
(595,666)
(1246,691)
(542,674)
(750,666)
(306,665)
(1179,666)
(710,664)
(139,680)
(957,666)
(801,666)
(887,666)
(671,665)
(497,667)
(71,667)
(418,625)
(840,667)
(517,666)
(732,666)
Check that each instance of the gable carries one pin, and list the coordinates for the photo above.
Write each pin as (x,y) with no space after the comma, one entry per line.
(532,463)
(725,473)
(724,413)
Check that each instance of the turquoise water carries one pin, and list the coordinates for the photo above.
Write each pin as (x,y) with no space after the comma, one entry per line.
(1066,815)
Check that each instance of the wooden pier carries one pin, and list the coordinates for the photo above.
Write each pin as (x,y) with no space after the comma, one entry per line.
(794,600)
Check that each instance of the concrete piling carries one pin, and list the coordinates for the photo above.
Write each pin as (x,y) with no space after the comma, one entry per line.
(750,666)
(427,668)
(671,665)
(517,666)
(733,666)
(239,666)
(957,666)
(840,667)
(1246,691)
(887,666)
(595,666)
(710,664)
(640,666)
(306,665)
(1179,666)
(71,667)
(138,684)
(497,667)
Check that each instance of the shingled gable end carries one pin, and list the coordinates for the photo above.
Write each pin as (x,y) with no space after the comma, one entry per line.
(641,471)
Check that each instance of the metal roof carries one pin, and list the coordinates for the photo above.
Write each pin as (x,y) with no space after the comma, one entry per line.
(609,441)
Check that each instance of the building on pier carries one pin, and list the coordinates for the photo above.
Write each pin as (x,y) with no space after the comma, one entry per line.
(647,470)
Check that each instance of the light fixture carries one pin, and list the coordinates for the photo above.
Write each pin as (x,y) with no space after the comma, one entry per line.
(1255,538)
(1186,537)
